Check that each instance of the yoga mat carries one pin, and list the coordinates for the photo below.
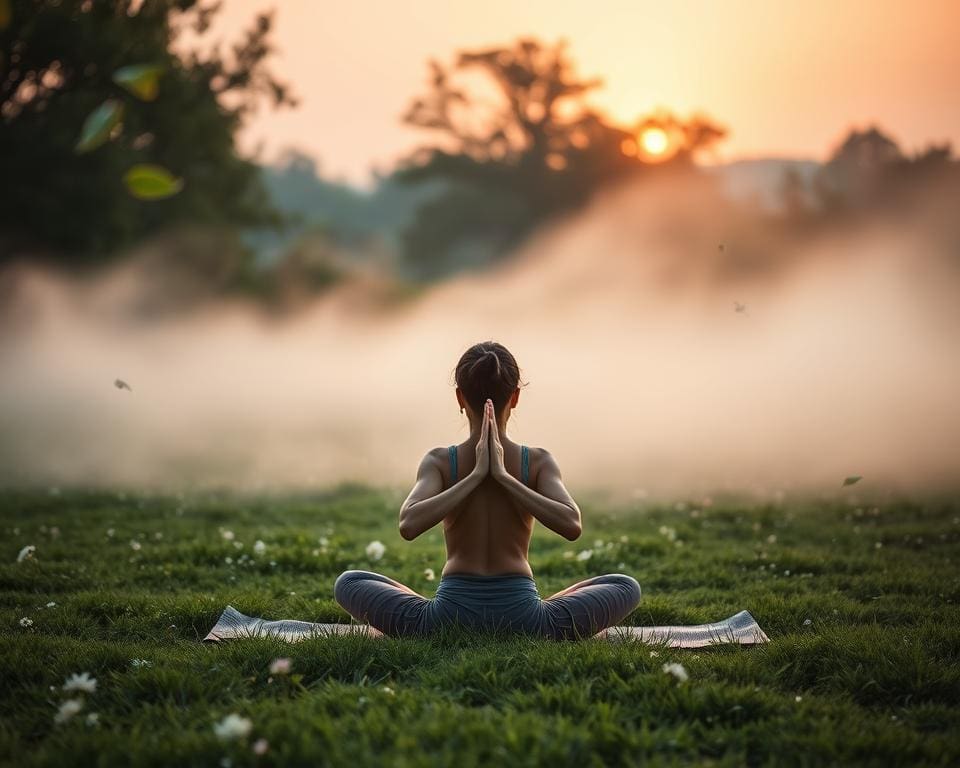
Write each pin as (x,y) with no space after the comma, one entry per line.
(741,628)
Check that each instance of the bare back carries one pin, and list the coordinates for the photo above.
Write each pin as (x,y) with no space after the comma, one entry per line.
(488,533)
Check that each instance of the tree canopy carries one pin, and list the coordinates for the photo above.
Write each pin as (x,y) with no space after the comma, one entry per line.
(540,150)
(160,109)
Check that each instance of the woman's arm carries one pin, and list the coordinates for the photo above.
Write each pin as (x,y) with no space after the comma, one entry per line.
(426,505)
(551,504)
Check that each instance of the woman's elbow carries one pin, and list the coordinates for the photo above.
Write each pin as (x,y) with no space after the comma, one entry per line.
(407,530)
(573,532)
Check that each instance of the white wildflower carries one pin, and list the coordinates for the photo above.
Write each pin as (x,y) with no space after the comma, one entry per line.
(135,545)
(772,538)
(677,670)
(228,535)
(280,666)
(54,532)
(585,554)
(228,560)
(233,726)
(51,604)
(323,541)
(654,654)
(26,622)
(82,682)
(387,690)
(807,622)
(140,663)
(93,719)
(670,533)
(428,574)
(798,699)
(111,532)
(375,550)
(259,547)
(260,747)
(67,710)
(26,553)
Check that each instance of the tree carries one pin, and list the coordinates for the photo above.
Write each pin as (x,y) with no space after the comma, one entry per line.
(537,152)
(58,63)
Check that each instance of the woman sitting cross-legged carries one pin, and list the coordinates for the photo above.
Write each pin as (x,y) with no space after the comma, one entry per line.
(487,492)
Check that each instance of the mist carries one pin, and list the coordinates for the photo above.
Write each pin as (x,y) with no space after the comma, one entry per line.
(668,349)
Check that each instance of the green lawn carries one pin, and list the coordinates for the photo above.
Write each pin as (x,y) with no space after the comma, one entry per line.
(859,598)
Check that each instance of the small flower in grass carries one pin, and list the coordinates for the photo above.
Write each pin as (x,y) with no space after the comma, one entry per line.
(259,547)
(260,747)
(233,726)
(26,622)
(281,666)
(93,719)
(798,699)
(26,553)
(51,604)
(428,574)
(677,670)
(135,545)
(585,554)
(140,663)
(111,532)
(68,709)
(807,622)
(228,535)
(654,654)
(375,550)
(323,541)
(387,690)
(82,682)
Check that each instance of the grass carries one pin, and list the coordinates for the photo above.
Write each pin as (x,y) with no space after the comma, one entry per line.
(859,597)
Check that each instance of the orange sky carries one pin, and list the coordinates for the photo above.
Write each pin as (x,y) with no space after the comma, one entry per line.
(787,77)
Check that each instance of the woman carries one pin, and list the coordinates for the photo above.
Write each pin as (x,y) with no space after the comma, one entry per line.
(487,492)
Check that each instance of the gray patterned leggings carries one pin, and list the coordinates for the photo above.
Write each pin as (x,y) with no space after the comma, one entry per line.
(508,601)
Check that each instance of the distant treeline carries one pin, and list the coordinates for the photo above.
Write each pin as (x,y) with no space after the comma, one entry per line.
(92,92)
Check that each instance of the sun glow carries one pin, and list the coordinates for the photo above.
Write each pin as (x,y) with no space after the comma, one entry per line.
(654,141)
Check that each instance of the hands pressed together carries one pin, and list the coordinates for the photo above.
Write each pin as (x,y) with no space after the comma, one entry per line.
(489,447)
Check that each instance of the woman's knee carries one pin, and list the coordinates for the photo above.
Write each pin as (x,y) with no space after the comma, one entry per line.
(345,584)
(629,584)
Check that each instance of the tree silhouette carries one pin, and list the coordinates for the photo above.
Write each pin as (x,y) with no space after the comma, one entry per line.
(538,151)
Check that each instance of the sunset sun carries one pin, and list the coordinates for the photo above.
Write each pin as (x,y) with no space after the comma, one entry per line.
(654,141)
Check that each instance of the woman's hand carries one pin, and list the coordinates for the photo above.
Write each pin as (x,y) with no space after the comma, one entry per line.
(482,467)
(497,467)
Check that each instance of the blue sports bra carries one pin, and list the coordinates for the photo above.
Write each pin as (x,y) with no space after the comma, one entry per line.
(524,464)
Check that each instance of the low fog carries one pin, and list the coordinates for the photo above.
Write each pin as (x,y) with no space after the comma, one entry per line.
(644,375)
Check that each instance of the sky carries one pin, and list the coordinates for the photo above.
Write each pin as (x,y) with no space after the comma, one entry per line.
(787,78)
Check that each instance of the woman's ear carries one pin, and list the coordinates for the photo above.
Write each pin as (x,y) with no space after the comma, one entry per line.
(460,401)
(515,398)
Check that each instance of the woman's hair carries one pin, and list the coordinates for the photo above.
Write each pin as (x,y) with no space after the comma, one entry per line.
(487,370)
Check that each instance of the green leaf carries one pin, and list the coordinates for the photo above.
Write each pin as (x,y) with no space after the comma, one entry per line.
(99,125)
(142,80)
(851,480)
(151,182)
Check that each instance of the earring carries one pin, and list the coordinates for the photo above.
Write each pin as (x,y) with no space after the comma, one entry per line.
(461,409)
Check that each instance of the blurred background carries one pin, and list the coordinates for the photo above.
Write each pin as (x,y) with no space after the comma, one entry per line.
(244,245)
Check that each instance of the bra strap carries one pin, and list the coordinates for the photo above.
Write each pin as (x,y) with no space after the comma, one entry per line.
(524,465)
(452,452)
